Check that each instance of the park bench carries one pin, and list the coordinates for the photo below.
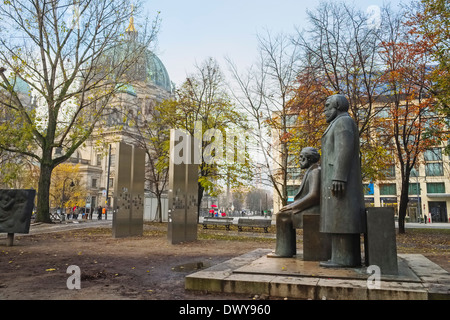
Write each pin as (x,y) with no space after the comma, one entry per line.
(215,221)
(254,223)
(55,216)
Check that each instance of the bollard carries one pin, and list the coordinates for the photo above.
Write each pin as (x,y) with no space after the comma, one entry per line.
(10,240)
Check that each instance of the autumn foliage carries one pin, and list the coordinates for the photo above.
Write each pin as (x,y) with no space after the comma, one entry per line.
(308,104)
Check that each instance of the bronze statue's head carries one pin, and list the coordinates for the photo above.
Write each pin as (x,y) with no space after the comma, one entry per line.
(308,156)
(334,105)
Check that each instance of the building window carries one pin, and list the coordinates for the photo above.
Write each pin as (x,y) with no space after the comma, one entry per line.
(291,120)
(388,189)
(390,171)
(368,189)
(434,154)
(436,187)
(94,183)
(99,159)
(291,192)
(293,173)
(434,169)
(414,188)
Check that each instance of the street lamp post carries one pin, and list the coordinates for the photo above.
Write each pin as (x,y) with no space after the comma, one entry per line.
(418,197)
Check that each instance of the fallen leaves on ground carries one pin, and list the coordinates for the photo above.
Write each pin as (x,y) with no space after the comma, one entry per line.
(430,241)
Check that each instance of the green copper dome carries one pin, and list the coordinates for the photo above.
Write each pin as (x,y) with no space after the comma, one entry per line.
(157,72)
(20,86)
(146,66)
(126,88)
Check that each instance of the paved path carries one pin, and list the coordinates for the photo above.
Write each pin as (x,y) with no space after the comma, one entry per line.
(39,228)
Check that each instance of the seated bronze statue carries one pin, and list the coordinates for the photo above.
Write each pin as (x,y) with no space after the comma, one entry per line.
(307,200)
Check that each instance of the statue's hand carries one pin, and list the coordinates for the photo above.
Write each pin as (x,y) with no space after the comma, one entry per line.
(286,208)
(338,188)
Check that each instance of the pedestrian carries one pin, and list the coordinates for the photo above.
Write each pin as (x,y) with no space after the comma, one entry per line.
(99,213)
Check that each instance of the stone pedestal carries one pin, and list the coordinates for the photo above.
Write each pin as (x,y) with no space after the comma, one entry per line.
(380,241)
(316,245)
(255,273)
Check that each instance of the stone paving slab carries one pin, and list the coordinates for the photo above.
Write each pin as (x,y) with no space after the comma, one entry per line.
(255,273)
(297,267)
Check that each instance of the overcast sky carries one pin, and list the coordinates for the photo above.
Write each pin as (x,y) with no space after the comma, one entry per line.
(192,31)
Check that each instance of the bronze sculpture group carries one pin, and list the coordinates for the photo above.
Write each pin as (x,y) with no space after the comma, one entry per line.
(332,189)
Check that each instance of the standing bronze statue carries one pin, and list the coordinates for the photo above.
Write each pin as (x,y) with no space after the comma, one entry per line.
(342,200)
(306,200)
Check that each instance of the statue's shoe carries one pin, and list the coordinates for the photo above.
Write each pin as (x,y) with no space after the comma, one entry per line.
(275,255)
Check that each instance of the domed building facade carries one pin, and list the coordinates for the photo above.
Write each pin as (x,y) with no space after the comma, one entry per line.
(135,99)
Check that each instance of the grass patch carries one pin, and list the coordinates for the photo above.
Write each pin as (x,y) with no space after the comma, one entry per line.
(429,231)
(415,240)
(430,241)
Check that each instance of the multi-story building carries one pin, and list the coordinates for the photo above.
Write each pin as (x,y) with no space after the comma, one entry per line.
(429,188)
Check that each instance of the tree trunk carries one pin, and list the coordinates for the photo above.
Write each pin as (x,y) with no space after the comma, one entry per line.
(159,207)
(43,199)
(199,200)
(403,207)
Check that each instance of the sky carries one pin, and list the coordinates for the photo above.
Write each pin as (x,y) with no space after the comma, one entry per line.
(192,31)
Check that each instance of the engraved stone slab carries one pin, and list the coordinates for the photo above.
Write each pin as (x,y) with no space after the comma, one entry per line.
(16,207)
(183,188)
(128,218)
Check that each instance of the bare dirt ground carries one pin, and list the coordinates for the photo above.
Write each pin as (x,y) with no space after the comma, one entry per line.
(147,267)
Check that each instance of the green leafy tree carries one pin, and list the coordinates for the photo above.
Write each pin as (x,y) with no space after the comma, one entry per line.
(67,190)
(413,123)
(55,50)
(430,21)
(203,100)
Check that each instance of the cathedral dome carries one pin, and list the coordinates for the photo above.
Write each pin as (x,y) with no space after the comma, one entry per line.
(156,71)
(145,65)
(20,86)
(138,62)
